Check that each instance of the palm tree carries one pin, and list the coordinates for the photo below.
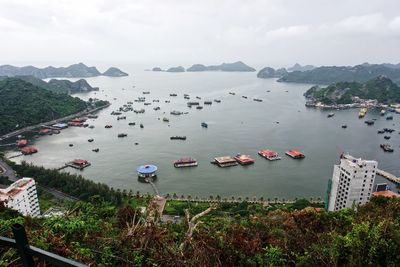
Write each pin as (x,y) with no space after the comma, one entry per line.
(175,196)
(262,199)
(276,200)
(233,198)
(168,196)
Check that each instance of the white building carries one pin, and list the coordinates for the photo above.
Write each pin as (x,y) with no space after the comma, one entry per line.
(21,196)
(351,184)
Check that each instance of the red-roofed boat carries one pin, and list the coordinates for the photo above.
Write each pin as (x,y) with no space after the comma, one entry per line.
(269,154)
(22,142)
(29,150)
(244,159)
(185,162)
(296,154)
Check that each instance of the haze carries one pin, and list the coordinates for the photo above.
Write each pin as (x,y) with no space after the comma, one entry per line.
(166,33)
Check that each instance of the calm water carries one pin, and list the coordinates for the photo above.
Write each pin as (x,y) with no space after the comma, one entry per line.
(236,125)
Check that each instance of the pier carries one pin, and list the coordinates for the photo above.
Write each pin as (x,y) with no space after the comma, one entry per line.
(388,176)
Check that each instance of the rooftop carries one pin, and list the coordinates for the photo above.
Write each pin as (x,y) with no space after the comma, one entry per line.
(15,188)
(386,193)
(224,159)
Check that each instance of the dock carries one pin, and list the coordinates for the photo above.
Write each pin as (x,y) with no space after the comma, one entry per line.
(388,176)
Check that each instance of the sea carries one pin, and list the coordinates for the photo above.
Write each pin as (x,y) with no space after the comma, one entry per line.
(235,126)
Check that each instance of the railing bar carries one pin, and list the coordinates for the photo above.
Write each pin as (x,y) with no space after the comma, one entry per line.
(53,258)
(7,242)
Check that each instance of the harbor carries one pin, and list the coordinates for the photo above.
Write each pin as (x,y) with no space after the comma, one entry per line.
(234,126)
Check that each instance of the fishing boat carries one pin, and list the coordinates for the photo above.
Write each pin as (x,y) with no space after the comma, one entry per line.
(383,112)
(362,112)
(269,154)
(173,94)
(146,92)
(244,159)
(175,112)
(344,126)
(157,108)
(294,153)
(207,102)
(381,131)
(90,140)
(369,122)
(108,126)
(165,119)
(132,123)
(122,135)
(386,148)
(205,125)
(21,142)
(217,101)
(232,93)
(390,117)
(29,150)
(387,137)
(178,137)
(185,162)
(198,97)
(199,107)
(96,150)
(243,96)
(257,100)
(225,161)
(330,115)
(141,126)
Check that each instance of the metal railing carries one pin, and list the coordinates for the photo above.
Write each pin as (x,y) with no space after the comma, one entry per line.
(27,252)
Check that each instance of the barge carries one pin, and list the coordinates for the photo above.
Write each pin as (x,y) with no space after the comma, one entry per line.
(185,162)
(296,154)
(225,161)
(269,154)
(244,159)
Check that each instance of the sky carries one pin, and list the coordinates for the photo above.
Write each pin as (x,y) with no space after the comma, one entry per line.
(167,33)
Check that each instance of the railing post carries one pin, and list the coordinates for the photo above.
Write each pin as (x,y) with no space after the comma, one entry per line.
(22,245)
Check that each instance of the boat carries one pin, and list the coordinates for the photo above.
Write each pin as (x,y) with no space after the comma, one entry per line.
(29,150)
(21,142)
(92,116)
(232,93)
(192,103)
(175,112)
(185,162)
(294,153)
(71,145)
(178,137)
(173,94)
(269,154)
(268,91)
(383,112)
(122,135)
(344,126)
(132,123)
(141,126)
(381,131)
(386,148)
(167,101)
(207,102)
(186,97)
(157,108)
(147,104)
(165,119)
(387,137)
(108,126)
(244,159)
(243,96)
(217,101)
(390,117)
(257,100)
(121,118)
(96,150)
(146,92)
(225,161)
(369,122)
(90,140)
(330,115)
(199,107)
(205,125)
(156,100)
(91,127)
(116,113)
(362,112)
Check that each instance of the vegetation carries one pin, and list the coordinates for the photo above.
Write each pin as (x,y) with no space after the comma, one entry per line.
(380,88)
(334,74)
(112,228)
(23,104)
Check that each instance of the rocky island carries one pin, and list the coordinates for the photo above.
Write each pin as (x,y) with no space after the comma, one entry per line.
(334,74)
(58,86)
(269,72)
(73,71)
(298,67)
(375,92)
(236,66)
(156,69)
(176,69)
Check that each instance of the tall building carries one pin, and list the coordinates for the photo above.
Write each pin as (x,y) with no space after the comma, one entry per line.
(351,184)
(21,196)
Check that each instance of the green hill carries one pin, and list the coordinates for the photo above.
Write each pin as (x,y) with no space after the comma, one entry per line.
(380,88)
(23,104)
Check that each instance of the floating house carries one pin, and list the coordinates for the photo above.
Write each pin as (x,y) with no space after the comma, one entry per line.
(296,154)
(78,164)
(147,172)
(244,159)
(29,150)
(225,161)
(21,142)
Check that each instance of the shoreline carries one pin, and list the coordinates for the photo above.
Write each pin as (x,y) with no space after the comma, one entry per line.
(32,127)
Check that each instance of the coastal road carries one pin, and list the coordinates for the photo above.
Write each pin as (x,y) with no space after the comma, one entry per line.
(30,128)
(7,171)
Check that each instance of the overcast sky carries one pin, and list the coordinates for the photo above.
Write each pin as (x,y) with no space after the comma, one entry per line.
(183,32)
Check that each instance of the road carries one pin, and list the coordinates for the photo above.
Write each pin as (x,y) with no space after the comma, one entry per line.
(30,128)
(7,171)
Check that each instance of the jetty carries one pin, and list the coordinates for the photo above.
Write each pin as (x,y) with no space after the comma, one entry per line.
(388,176)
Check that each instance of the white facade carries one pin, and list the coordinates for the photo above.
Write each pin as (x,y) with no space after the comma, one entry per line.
(352,182)
(21,196)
